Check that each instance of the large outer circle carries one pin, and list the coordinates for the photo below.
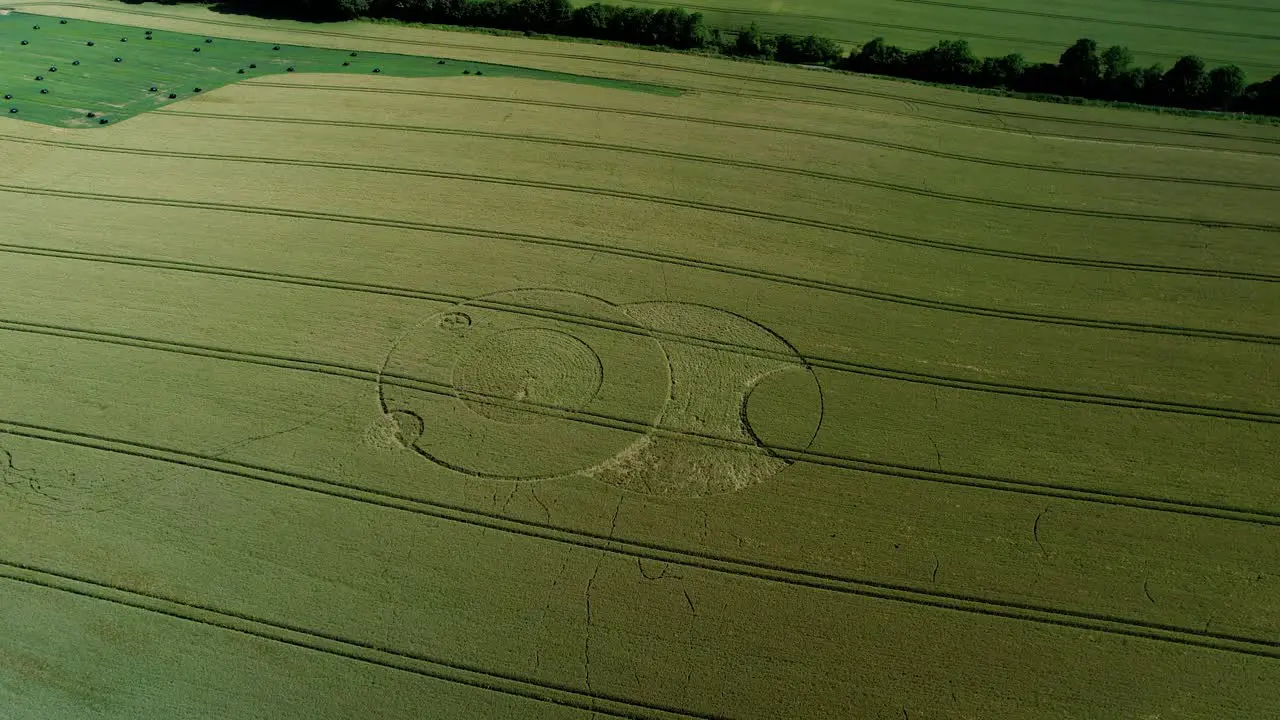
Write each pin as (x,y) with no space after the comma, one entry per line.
(589,383)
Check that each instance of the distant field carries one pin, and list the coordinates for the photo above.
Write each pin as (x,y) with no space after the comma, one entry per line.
(796,395)
(1244,33)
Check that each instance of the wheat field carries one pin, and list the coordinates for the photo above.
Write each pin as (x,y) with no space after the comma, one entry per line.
(794,395)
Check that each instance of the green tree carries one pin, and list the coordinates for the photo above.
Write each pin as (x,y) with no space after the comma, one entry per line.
(1002,72)
(1080,68)
(1226,83)
(753,43)
(1115,62)
(1186,82)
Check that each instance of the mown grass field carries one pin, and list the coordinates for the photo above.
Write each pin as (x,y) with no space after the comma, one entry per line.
(1231,31)
(795,395)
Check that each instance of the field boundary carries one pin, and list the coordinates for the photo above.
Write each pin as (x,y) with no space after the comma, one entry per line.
(674,68)
(548,241)
(834,460)
(632,549)
(833,364)
(333,644)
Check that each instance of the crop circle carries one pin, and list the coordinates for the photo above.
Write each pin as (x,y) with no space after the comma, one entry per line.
(517,386)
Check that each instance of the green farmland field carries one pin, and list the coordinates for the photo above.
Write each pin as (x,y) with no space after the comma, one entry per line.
(332,394)
(1240,32)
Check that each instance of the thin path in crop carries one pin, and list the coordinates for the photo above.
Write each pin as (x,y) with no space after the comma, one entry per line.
(647,550)
(842,90)
(833,364)
(834,460)
(799,132)
(733,270)
(341,645)
(675,201)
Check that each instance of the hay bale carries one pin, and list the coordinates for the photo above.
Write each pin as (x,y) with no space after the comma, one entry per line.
(377,70)
(13,110)
(173,95)
(153,89)
(252,65)
(103,121)
(90,43)
(199,89)
(39,77)
(75,62)
(119,59)
(240,71)
(44,91)
(24,42)
(92,115)
(288,69)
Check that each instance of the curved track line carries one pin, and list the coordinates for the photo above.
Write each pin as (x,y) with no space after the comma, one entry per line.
(853,139)
(737,271)
(632,549)
(332,644)
(834,460)
(833,364)
(674,201)
(678,69)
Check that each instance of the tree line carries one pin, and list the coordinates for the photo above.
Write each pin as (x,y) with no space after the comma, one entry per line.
(1083,70)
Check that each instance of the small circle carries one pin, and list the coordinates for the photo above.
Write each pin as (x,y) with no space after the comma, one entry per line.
(534,366)
(455,321)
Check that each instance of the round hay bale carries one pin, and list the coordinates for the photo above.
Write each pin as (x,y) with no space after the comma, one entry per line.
(195,49)
(288,69)
(39,77)
(119,59)
(377,70)
(75,62)
(208,40)
(240,71)
(346,64)
(24,42)
(13,110)
(173,95)
(354,55)
(252,65)
(44,91)
(153,89)
(103,121)
(90,43)
(199,89)
(277,47)
(92,115)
